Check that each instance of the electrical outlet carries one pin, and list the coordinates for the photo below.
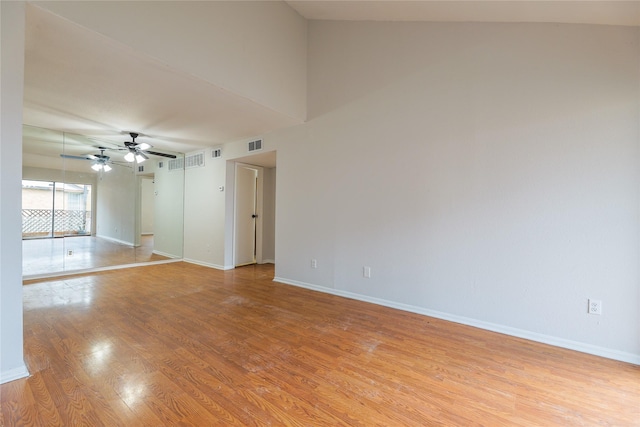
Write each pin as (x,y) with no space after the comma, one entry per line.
(314,263)
(366,272)
(595,306)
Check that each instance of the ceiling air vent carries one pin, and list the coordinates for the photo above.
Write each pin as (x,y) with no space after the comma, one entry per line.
(255,145)
(195,160)
(176,164)
(216,152)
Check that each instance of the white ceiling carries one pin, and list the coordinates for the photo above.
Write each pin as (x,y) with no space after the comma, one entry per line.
(79,81)
(82,82)
(607,12)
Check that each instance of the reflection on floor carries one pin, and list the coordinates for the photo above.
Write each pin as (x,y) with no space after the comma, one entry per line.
(41,256)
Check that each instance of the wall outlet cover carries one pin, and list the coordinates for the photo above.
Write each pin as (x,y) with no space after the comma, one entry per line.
(595,306)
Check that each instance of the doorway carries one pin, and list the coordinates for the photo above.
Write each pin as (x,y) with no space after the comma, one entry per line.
(261,249)
(248,218)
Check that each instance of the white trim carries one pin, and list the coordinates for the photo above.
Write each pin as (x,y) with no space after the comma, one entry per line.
(98,269)
(268,261)
(507,330)
(14,374)
(258,210)
(206,264)
(165,254)
(111,239)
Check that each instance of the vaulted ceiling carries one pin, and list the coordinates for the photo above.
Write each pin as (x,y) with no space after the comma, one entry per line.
(82,82)
(550,11)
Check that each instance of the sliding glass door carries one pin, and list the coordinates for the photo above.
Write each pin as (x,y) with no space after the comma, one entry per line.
(55,209)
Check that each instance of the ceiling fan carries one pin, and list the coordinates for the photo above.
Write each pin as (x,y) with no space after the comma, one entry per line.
(138,151)
(100,161)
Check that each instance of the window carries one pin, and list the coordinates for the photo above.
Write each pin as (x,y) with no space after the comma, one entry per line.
(55,209)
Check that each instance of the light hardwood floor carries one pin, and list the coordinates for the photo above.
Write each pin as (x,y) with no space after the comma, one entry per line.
(180,344)
(42,256)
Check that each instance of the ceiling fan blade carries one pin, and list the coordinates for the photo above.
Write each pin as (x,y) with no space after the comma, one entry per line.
(121,164)
(87,157)
(103,148)
(156,153)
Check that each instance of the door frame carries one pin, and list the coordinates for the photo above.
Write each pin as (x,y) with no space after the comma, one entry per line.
(259,210)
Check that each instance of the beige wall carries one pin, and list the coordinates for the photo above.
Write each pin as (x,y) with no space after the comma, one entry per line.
(486,173)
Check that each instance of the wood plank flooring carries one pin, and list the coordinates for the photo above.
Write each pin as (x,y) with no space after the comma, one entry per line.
(43,256)
(180,344)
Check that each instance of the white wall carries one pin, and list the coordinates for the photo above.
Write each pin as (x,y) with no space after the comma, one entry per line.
(254,49)
(205,212)
(487,174)
(269,216)
(116,196)
(48,174)
(147,202)
(168,232)
(209,212)
(12,25)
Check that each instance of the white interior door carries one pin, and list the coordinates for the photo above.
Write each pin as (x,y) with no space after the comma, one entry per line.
(246,189)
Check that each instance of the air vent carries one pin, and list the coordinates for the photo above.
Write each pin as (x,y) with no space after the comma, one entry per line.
(176,164)
(216,152)
(195,160)
(141,168)
(255,145)
(160,165)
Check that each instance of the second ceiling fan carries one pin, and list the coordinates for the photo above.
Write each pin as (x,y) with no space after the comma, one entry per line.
(100,161)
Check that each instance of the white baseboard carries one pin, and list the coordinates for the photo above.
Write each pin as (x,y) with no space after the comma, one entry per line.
(165,254)
(507,330)
(206,264)
(111,239)
(97,269)
(221,267)
(14,374)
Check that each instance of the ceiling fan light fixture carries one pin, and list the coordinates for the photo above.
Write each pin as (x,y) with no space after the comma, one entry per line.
(96,167)
(130,156)
(143,146)
(106,167)
(140,157)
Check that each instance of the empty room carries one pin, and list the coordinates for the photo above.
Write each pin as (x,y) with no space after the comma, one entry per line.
(308,213)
